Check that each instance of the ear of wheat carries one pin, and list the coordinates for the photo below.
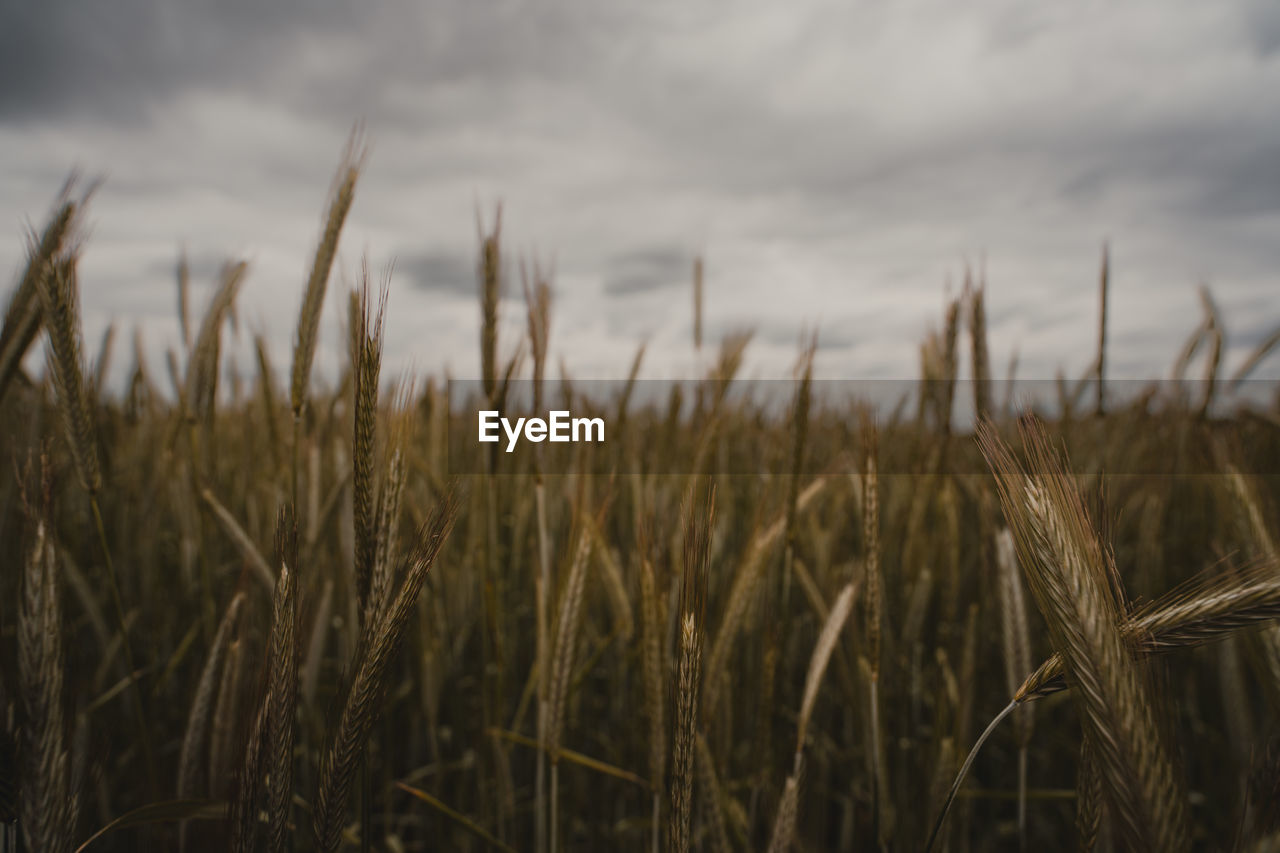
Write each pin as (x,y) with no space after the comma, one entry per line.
(1067,570)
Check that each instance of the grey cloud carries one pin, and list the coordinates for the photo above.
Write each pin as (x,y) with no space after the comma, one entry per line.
(120,60)
(647,270)
(202,265)
(439,270)
(1262,24)
(860,152)
(116,59)
(1245,184)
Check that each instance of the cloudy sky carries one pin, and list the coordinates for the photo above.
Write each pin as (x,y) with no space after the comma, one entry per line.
(836,163)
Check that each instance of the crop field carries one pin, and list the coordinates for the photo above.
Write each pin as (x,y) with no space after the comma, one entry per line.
(248,607)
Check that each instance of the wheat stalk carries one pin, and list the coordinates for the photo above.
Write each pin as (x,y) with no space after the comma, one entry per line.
(61,304)
(697,304)
(538,303)
(201,386)
(821,656)
(340,197)
(1205,611)
(202,707)
(697,544)
(568,615)
(366,370)
(745,585)
(978,349)
(1202,612)
(1213,329)
(1104,285)
(490,276)
(537,297)
(386,519)
(1089,802)
(46,798)
(376,647)
(1067,571)
(687,680)
(184,299)
(60,301)
(872,603)
(24,315)
(248,549)
(785,821)
(282,685)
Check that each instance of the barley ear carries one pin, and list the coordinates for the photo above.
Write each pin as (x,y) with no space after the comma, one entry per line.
(1213,329)
(567,621)
(387,517)
(746,584)
(59,297)
(697,304)
(46,798)
(340,197)
(201,388)
(490,275)
(244,806)
(537,297)
(699,521)
(652,629)
(872,603)
(282,685)
(981,360)
(1201,612)
(184,300)
(871,541)
(367,372)
(687,680)
(1104,285)
(1067,570)
(1088,799)
(24,315)
(373,656)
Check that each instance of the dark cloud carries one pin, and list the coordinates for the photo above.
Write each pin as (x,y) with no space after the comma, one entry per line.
(122,60)
(647,270)
(117,59)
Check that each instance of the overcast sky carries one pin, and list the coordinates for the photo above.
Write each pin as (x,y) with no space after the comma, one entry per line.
(836,163)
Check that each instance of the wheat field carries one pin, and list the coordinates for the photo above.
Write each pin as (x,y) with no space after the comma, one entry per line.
(243,608)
